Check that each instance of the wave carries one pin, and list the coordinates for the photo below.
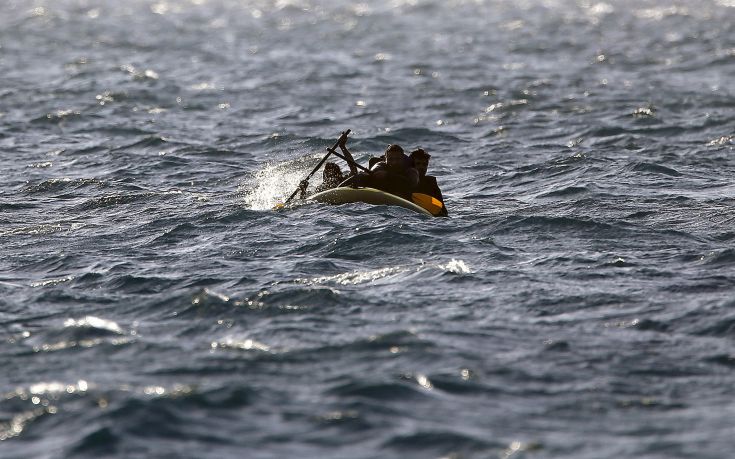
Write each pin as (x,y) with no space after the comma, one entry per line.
(203,303)
(124,199)
(61,116)
(378,391)
(389,344)
(720,258)
(445,442)
(58,185)
(303,297)
(565,191)
(656,169)
(87,332)
(37,230)
(726,360)
(148,142)
(545,223)
(356,277)
(119,421)
(138,284)
(562,168)
(354,246)
(96,440)
(273,301)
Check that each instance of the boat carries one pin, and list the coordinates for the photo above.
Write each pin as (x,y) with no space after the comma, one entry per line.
(345,195)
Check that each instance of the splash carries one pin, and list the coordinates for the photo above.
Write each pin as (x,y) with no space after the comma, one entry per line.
(456,267)
(276,181)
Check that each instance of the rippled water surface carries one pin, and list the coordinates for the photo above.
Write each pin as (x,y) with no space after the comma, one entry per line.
(578,303)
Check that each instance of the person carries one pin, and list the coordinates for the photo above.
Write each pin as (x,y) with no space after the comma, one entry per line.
(393,175)
(331,178)
(332,175)
(427,183)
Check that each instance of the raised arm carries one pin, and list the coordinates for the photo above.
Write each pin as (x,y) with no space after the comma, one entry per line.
(350,160)
(302,188)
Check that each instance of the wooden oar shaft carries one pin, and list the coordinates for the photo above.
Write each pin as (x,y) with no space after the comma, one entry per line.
(334,152)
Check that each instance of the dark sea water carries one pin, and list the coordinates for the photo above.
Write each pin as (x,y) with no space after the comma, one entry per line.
(578,303)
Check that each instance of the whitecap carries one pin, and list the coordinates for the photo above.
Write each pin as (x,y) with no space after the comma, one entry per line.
(94,322)
(52,282)
(243,344)
(456,267)
(356,277)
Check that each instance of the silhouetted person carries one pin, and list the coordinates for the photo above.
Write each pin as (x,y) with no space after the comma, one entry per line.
(427,183)
(331,178)
(394,175)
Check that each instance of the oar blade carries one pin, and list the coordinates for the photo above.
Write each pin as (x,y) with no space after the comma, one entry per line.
(429,203)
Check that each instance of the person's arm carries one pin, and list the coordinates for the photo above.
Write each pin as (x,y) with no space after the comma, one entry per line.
(302,187)
(350,160)
(437,190)
(379,171)
(375,161)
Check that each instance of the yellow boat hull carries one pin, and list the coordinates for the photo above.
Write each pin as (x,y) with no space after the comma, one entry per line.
(345,195)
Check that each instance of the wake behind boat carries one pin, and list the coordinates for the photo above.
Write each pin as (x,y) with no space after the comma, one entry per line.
(345,195)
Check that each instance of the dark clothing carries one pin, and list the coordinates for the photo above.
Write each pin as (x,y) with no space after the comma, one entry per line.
(400,183)
(334,182)
(427,185)
(374,160)
(326,186)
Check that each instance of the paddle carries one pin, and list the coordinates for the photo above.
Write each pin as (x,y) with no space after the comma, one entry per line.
(339,155)
(429,203)
(329,152)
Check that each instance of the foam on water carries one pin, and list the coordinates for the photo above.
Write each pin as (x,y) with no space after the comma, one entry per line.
(274,183)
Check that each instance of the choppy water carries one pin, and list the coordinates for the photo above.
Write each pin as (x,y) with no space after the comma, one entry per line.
(578,303)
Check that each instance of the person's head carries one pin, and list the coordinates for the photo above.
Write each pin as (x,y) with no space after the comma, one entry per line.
(395,159)
(332,173)
(420,161)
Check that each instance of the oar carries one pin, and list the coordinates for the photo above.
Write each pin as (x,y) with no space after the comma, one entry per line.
(428,202)
(329,152)
(339,155)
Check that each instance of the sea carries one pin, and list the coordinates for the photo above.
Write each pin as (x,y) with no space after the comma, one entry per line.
(577,303)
